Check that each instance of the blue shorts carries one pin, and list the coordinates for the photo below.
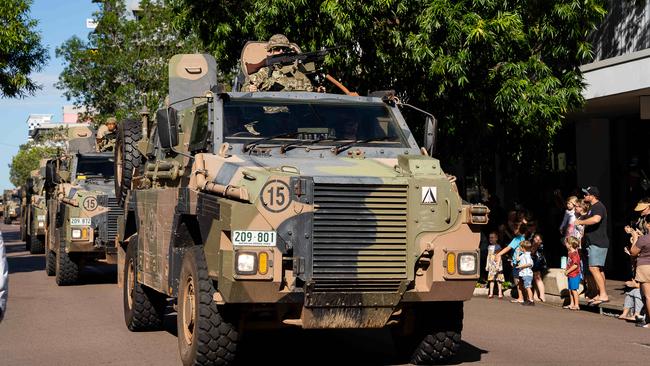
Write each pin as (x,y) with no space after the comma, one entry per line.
(528,281)
(515,272)
(597,256)
(574,283)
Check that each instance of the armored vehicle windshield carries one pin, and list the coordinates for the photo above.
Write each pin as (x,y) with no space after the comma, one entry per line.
(272,121)
(95,166)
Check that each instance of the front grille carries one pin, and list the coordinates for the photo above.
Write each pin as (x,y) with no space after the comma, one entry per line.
(114,211)
(359,240)
(107,224)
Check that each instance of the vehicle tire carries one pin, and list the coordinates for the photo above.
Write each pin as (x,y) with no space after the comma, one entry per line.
(28,243)
(143,307)
(50,263)
(437,334)
(205,337)
(67,270)
(128,158)
(37,245)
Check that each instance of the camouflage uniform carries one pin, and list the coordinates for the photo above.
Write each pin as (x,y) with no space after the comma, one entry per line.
(106,135)
(280,77)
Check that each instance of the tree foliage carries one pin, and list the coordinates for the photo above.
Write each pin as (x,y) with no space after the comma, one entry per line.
(27,159)
(124,60)
(21,52)
(499,75)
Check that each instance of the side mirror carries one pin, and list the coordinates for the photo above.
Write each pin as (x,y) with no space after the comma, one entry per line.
(167,126)
(64,176)
(430,133)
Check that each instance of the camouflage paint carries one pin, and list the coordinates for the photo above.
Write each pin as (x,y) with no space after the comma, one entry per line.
(370,198)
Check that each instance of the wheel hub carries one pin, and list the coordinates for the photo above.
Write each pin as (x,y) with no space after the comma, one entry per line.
(188,311)
(130,278)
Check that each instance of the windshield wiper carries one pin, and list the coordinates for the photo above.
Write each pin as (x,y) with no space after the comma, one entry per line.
(253,144)
(340,148)
(291,145)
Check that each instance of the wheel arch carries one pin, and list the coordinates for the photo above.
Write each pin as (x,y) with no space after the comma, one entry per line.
(186,235)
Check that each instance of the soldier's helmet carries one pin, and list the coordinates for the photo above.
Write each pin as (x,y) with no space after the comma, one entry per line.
(111,123)
(278,41)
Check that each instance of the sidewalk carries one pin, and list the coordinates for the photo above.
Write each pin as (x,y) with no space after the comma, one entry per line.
(557,295)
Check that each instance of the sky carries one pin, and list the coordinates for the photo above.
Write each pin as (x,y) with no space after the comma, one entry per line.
(58,20)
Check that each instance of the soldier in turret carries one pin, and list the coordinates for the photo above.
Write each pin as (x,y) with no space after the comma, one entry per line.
(106,135)
(279,77)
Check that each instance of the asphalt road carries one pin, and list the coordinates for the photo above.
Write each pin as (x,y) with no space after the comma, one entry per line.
(83,325)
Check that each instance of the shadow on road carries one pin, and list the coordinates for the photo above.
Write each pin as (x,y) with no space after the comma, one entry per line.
(467,353)
(97,273)
(26,263)
(15,247)
(324,347)
(11,236)
(93,273)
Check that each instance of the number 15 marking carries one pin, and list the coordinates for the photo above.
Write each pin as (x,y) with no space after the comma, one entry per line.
(275,196)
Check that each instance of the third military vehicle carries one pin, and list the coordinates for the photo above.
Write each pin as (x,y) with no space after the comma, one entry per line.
(82,208)
(33,225)
(289,209)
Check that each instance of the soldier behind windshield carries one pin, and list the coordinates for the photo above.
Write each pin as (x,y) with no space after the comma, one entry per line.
(279,77)
(106,135)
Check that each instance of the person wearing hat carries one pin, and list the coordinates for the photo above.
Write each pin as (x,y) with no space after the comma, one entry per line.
(639,228)
(643,209)
(596,240)
(105,139)
(279,77)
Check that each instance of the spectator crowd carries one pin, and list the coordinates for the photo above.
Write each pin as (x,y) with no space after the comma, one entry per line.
(515,252)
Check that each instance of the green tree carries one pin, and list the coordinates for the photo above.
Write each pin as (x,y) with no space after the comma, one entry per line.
(21,52)
(26,160)
(499,75)
(124,60)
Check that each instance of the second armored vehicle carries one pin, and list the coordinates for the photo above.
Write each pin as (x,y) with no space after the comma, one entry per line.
(82,209)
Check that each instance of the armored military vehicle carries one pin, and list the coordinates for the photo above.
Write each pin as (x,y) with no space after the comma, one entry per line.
(82,209)
(11,205)
(294,209)
(33,225)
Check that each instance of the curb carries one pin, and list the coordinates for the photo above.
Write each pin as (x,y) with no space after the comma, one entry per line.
(551,299)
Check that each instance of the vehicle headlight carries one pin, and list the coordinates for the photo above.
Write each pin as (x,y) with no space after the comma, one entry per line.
(467,263)
(246,263)
(81,233)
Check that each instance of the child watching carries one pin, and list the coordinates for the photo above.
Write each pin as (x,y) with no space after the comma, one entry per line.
(582,209)
(572,271)
(525,266)
(568,222)
(633,304)
(493,266)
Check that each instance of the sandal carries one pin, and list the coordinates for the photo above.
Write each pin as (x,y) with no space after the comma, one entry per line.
(597,302)
(566,307)
(514,301)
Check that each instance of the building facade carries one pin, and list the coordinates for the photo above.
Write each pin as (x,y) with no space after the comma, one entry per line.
(611,131)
